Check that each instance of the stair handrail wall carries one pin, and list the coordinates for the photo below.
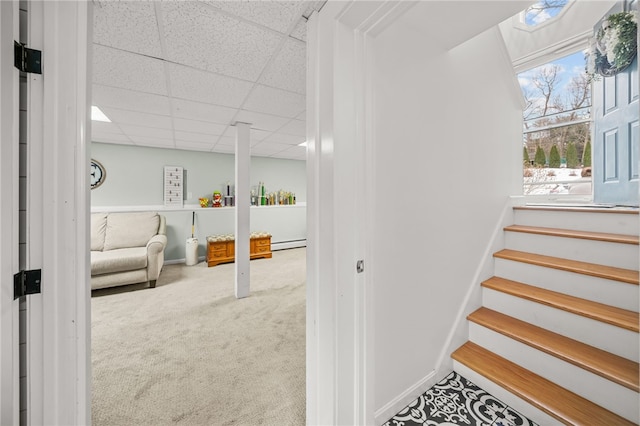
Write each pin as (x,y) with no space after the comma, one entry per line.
(459,332)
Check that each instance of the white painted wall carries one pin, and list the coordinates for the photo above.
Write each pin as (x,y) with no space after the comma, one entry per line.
(447,149)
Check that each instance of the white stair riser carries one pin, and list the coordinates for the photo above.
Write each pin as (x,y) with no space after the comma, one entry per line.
(616,340)
(580,221)
(609,292)
(599,252)
(610,395)
(506,397)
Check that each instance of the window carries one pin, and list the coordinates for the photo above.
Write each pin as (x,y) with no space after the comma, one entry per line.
(543,11)
(556,133)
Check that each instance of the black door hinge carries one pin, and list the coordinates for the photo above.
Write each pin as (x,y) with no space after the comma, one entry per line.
(27,60)
(26,282)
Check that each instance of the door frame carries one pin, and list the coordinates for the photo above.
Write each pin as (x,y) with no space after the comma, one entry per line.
(58,388)
(340,163)
(9,218)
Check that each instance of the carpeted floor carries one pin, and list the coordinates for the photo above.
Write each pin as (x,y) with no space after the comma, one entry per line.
(188,352)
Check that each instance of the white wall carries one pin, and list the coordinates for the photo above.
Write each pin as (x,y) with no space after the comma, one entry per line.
(134,174)
(447,147)
(135,182)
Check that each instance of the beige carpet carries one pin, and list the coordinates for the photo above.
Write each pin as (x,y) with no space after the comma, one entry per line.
(188,352)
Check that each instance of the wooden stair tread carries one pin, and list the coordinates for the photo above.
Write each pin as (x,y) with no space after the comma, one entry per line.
(602,271)
(598,311)
(565,406)
(605,364)
(618,210)
(586,235)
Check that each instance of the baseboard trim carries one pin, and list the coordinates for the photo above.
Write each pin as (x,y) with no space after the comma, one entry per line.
(394,406)
(288,245)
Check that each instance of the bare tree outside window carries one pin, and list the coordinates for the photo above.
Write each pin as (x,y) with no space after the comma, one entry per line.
(556,118)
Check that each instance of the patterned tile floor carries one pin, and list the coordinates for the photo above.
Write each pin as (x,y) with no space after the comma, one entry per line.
(457,401)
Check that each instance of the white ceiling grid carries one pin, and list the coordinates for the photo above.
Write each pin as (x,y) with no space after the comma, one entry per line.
(178,74)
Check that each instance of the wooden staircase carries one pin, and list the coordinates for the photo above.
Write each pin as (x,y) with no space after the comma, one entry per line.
(557,337)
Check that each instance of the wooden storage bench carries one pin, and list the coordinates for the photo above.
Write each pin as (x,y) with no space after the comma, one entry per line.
(221,248)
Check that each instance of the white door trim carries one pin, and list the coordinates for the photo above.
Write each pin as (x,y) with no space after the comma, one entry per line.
(340,163)
(59,378)
(9,220)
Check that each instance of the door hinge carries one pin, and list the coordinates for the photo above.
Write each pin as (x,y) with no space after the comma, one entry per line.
(26,282)
(27,60)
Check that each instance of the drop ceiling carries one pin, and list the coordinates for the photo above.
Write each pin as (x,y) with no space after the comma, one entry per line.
(179,74)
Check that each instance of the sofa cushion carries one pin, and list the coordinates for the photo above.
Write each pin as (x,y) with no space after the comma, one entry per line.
(98,229)
(118,260)
(126,230)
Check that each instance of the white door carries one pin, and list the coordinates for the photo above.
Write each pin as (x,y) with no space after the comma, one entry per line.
(9,356)
(615,144)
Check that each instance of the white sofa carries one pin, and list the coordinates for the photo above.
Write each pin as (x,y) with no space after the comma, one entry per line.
(126,248)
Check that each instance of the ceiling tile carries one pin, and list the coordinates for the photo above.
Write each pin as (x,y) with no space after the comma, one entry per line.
(196,137)
(285,139)
(224,149)
(193,146)
(201,37)
(196,126)
(277,15)
(275,101)
(153,142)
(294,127)
(201,111)
(151,132)
(288,68)
(293,153)
(110,138)
(104,96)
(127,25)
(116,68)
(260,121)
(254,134)
(300,30)
(302,115)
(138,118)
(195,85)
(104,127)
(267,148)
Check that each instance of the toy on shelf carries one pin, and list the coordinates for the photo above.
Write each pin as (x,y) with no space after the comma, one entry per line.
(204,202)
(217,199)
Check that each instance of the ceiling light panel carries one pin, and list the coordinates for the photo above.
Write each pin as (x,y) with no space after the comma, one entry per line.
(105,96)
(288,69)
(127,25)
(224,45)
(139,118)
(277,15)
(115,68)
(195,85)
(275,101)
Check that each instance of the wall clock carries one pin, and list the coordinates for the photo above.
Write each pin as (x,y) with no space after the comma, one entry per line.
(98,174)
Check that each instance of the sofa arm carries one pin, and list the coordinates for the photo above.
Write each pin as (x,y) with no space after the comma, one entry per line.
(155,256)
(156,244)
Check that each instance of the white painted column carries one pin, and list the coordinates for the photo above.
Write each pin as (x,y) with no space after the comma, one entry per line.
(243,203)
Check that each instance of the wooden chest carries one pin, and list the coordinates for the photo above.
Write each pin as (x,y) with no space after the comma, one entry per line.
(221,249)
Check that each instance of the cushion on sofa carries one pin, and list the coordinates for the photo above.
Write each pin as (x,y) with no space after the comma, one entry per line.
(118,260)
(98,229)
(130,229)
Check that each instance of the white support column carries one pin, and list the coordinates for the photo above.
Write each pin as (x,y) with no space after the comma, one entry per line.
(243,202)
